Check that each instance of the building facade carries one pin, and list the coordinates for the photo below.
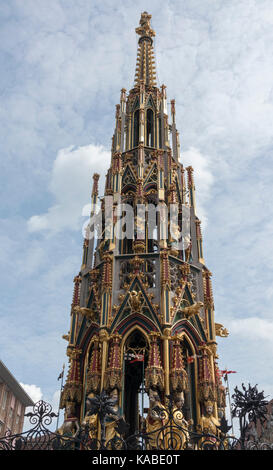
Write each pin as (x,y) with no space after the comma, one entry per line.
(142,323)
(13,401)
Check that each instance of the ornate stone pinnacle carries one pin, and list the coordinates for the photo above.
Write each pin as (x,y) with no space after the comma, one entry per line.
(145,28)
(145,66)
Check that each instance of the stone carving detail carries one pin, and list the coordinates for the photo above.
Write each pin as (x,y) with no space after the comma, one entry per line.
(175,273)
(220,330)
(148,157)
(192,277)
(126,274)
(128,177)
(146,272)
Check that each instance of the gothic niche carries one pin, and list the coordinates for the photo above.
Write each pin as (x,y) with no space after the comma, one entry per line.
(189,409)
(125,276)
(136,128)
(150,128)
(149,273)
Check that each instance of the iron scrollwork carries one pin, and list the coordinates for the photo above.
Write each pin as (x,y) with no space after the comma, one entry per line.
(250,406)
(172,434)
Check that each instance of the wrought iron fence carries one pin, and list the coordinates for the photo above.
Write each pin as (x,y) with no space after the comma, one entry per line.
(250,407)
(169,436)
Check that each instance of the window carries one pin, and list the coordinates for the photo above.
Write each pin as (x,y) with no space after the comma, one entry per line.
(150,128)
(160,131)
(136,128)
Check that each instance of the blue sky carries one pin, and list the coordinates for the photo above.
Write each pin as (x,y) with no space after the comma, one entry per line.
(63,64)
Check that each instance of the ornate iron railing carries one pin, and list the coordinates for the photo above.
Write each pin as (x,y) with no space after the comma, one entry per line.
(169,436)
(250,407)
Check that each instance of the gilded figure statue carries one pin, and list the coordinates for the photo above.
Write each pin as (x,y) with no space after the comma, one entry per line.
(208,425)
(91,421)
(112,435)
(156,419)
(135,300)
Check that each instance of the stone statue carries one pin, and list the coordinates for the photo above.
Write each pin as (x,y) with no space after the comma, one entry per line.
(208,425)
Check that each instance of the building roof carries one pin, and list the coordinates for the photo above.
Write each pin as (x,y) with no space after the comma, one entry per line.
(19,392)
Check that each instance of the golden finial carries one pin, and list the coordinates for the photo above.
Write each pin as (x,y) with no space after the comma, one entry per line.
(145,28)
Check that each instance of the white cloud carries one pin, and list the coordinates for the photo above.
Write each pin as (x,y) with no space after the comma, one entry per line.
(33,391)
(56,400)
(253,328)
(221,71)
(71,183)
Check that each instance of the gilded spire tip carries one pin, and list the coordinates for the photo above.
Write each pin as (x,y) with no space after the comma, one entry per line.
(145,28)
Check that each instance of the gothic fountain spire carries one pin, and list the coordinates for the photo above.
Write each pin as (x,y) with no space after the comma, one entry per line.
(142,316)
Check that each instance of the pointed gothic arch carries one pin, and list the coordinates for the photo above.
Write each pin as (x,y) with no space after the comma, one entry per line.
(191,404)
(136,128)
(134,350)
(150,128)
(94,342)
